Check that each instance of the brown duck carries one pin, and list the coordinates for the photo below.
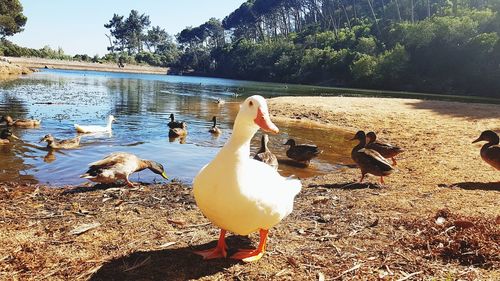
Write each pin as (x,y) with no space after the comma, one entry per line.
(215,130)
(265,155)
(5,134)
(119,166)
(368,160)
(490,152)
(22,123)
(301,152)
(61,144)
(385,149)
(178,132)
(174,124)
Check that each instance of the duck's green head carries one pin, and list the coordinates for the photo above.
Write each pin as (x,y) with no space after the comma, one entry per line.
(290,142)
(371,137)
(47,138)
(488,136)
(157,168)
(360,135)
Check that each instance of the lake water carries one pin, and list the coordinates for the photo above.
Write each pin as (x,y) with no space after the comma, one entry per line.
(141,104)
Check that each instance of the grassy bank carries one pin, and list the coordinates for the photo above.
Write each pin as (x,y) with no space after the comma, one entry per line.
(77,65)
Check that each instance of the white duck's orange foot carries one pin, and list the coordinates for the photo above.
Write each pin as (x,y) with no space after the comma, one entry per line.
(220,251)
(248,255)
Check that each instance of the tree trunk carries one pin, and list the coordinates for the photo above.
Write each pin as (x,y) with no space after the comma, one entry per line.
(399,11)
(374,16)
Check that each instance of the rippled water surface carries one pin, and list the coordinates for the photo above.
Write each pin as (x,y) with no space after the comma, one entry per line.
(141,104)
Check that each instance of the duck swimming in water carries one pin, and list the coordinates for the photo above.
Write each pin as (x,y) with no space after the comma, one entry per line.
(22,123)
(301,152)
(174,124)
(5,134)
(178,132)
(96,128)
(215,130)
(242,195)
(61,144)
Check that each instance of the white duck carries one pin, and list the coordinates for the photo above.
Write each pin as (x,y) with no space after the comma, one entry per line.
(240,194)
(95,128)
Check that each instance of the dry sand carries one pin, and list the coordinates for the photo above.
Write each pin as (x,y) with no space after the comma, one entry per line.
(9,70)
(76,65)
(339,230)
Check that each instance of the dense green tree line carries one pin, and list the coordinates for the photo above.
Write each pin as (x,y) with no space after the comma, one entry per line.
(436,46)
(440,46)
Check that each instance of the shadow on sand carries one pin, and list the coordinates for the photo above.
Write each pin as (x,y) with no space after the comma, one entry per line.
(101,186)
(171,264)
(349,185)
(456,109)
(493,186)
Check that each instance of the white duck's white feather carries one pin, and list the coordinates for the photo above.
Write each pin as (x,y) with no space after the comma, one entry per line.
(240,194)
(95,128)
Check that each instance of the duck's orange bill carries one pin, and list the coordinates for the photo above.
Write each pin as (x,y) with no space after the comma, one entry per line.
(264,122)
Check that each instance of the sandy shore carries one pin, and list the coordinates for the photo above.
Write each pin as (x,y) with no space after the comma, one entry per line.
(12,69)
(76,65)
(339,229)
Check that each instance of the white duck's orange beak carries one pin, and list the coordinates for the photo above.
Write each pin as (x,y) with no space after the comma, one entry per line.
(264,122)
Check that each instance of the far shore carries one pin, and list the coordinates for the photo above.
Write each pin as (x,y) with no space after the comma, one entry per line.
(38,63)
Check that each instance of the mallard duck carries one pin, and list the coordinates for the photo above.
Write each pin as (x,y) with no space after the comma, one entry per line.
(265,155)
(58,144)
(368,160)
(240,194)
(178,132)
(490,152)
(385,149)
(22,123)
(4,136)
(119,166)
(174,124)
(215,130)
(301,152)
(94,128)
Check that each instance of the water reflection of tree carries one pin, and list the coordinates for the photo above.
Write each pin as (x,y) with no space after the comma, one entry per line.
(12,165)
(11,105)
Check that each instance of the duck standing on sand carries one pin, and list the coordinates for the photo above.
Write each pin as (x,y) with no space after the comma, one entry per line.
(385,149)
(174,124)
(240,194)
(61,144)
(368,160)
(490,152)
(96,129)
(119,166)
(22,123)
(301,152)
(4,136)
(215,130)
(265,155)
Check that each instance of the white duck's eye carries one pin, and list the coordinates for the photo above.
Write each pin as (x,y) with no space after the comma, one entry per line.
(250,103)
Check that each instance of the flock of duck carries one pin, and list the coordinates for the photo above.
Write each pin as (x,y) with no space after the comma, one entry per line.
(235,192)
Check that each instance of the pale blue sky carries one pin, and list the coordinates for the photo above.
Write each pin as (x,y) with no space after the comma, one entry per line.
(78,26)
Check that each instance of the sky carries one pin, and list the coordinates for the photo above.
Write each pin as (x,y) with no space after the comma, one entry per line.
(78,26)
